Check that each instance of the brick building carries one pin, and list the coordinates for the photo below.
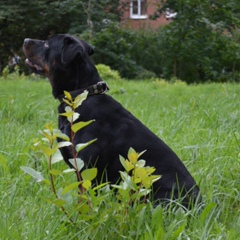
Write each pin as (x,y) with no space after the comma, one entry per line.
(138,15)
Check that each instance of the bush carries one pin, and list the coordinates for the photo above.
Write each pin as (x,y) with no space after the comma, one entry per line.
(145,74)
(106,73)
(113,47)
(196,54)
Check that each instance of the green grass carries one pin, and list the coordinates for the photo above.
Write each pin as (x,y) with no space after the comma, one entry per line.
(201,123)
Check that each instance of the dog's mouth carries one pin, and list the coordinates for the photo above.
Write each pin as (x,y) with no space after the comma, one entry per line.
(34,66)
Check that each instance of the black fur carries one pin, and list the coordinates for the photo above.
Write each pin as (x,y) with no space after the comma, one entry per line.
(65,60)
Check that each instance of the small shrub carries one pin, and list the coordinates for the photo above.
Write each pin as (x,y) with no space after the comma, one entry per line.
(145,74)
(160,82)
(177,81)
(11,74)
(106,73)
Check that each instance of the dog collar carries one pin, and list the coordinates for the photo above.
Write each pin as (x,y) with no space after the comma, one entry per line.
(99,88)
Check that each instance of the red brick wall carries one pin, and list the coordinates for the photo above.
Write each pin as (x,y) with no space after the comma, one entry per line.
(144,23)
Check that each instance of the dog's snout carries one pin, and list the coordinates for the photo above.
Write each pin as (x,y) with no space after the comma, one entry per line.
(27,41)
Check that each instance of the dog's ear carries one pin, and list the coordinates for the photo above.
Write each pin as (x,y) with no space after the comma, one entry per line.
(72,49)
(89,49)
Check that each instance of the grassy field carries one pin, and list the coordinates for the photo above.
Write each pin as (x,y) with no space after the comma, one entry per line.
(201,123)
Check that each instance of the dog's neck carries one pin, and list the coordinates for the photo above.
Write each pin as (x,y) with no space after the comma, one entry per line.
(80,77)
(95,89)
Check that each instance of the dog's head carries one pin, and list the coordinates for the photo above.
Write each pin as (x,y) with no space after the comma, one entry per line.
(62,59)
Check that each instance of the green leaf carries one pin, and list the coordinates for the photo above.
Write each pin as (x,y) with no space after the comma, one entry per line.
(64,144)
(79,99)
(128,182)
(55,172)
(141,153)
(77,163)
(77,126)
(69,170)
(70,187)
(140,163)
(79,147)
(37,175)
(57,157)
(155,178)
(47,134)
(89,174)
(85,208)
(59,202)
(58,134)
(46,181)
(123,161)
(179,230)
(206,212)
(48,151)
(117,186)
(100,186)
(75,116)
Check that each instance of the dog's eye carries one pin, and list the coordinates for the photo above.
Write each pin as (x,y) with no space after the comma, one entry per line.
(46,45)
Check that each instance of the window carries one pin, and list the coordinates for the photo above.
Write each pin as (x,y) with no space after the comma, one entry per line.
(138,9)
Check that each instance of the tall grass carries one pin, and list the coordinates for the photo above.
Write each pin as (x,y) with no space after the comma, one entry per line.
(201,123)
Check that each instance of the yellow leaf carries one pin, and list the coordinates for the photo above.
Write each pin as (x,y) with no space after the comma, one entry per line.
(77,126)
(67,95)
(89,174)
(132,155)
(67,102)
(67,114)
(140,173)
(86,184)
(48,151)
(128,166)
(150,170)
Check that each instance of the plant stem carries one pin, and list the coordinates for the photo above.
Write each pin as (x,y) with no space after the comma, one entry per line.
(74,154)
(54,189)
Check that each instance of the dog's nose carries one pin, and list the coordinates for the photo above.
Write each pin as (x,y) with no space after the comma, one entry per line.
(26,40)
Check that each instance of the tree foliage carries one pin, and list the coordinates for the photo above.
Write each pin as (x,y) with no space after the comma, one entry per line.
(40,19)
(201,44)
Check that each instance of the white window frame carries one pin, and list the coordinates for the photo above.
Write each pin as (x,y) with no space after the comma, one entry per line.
(138,15)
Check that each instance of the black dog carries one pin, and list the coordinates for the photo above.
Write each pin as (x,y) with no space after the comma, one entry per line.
(65,60)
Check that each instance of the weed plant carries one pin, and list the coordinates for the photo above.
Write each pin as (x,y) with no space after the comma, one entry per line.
(199,122)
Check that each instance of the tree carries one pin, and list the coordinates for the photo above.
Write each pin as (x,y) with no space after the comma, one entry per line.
(200,44)
(35,19)
(43,18)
